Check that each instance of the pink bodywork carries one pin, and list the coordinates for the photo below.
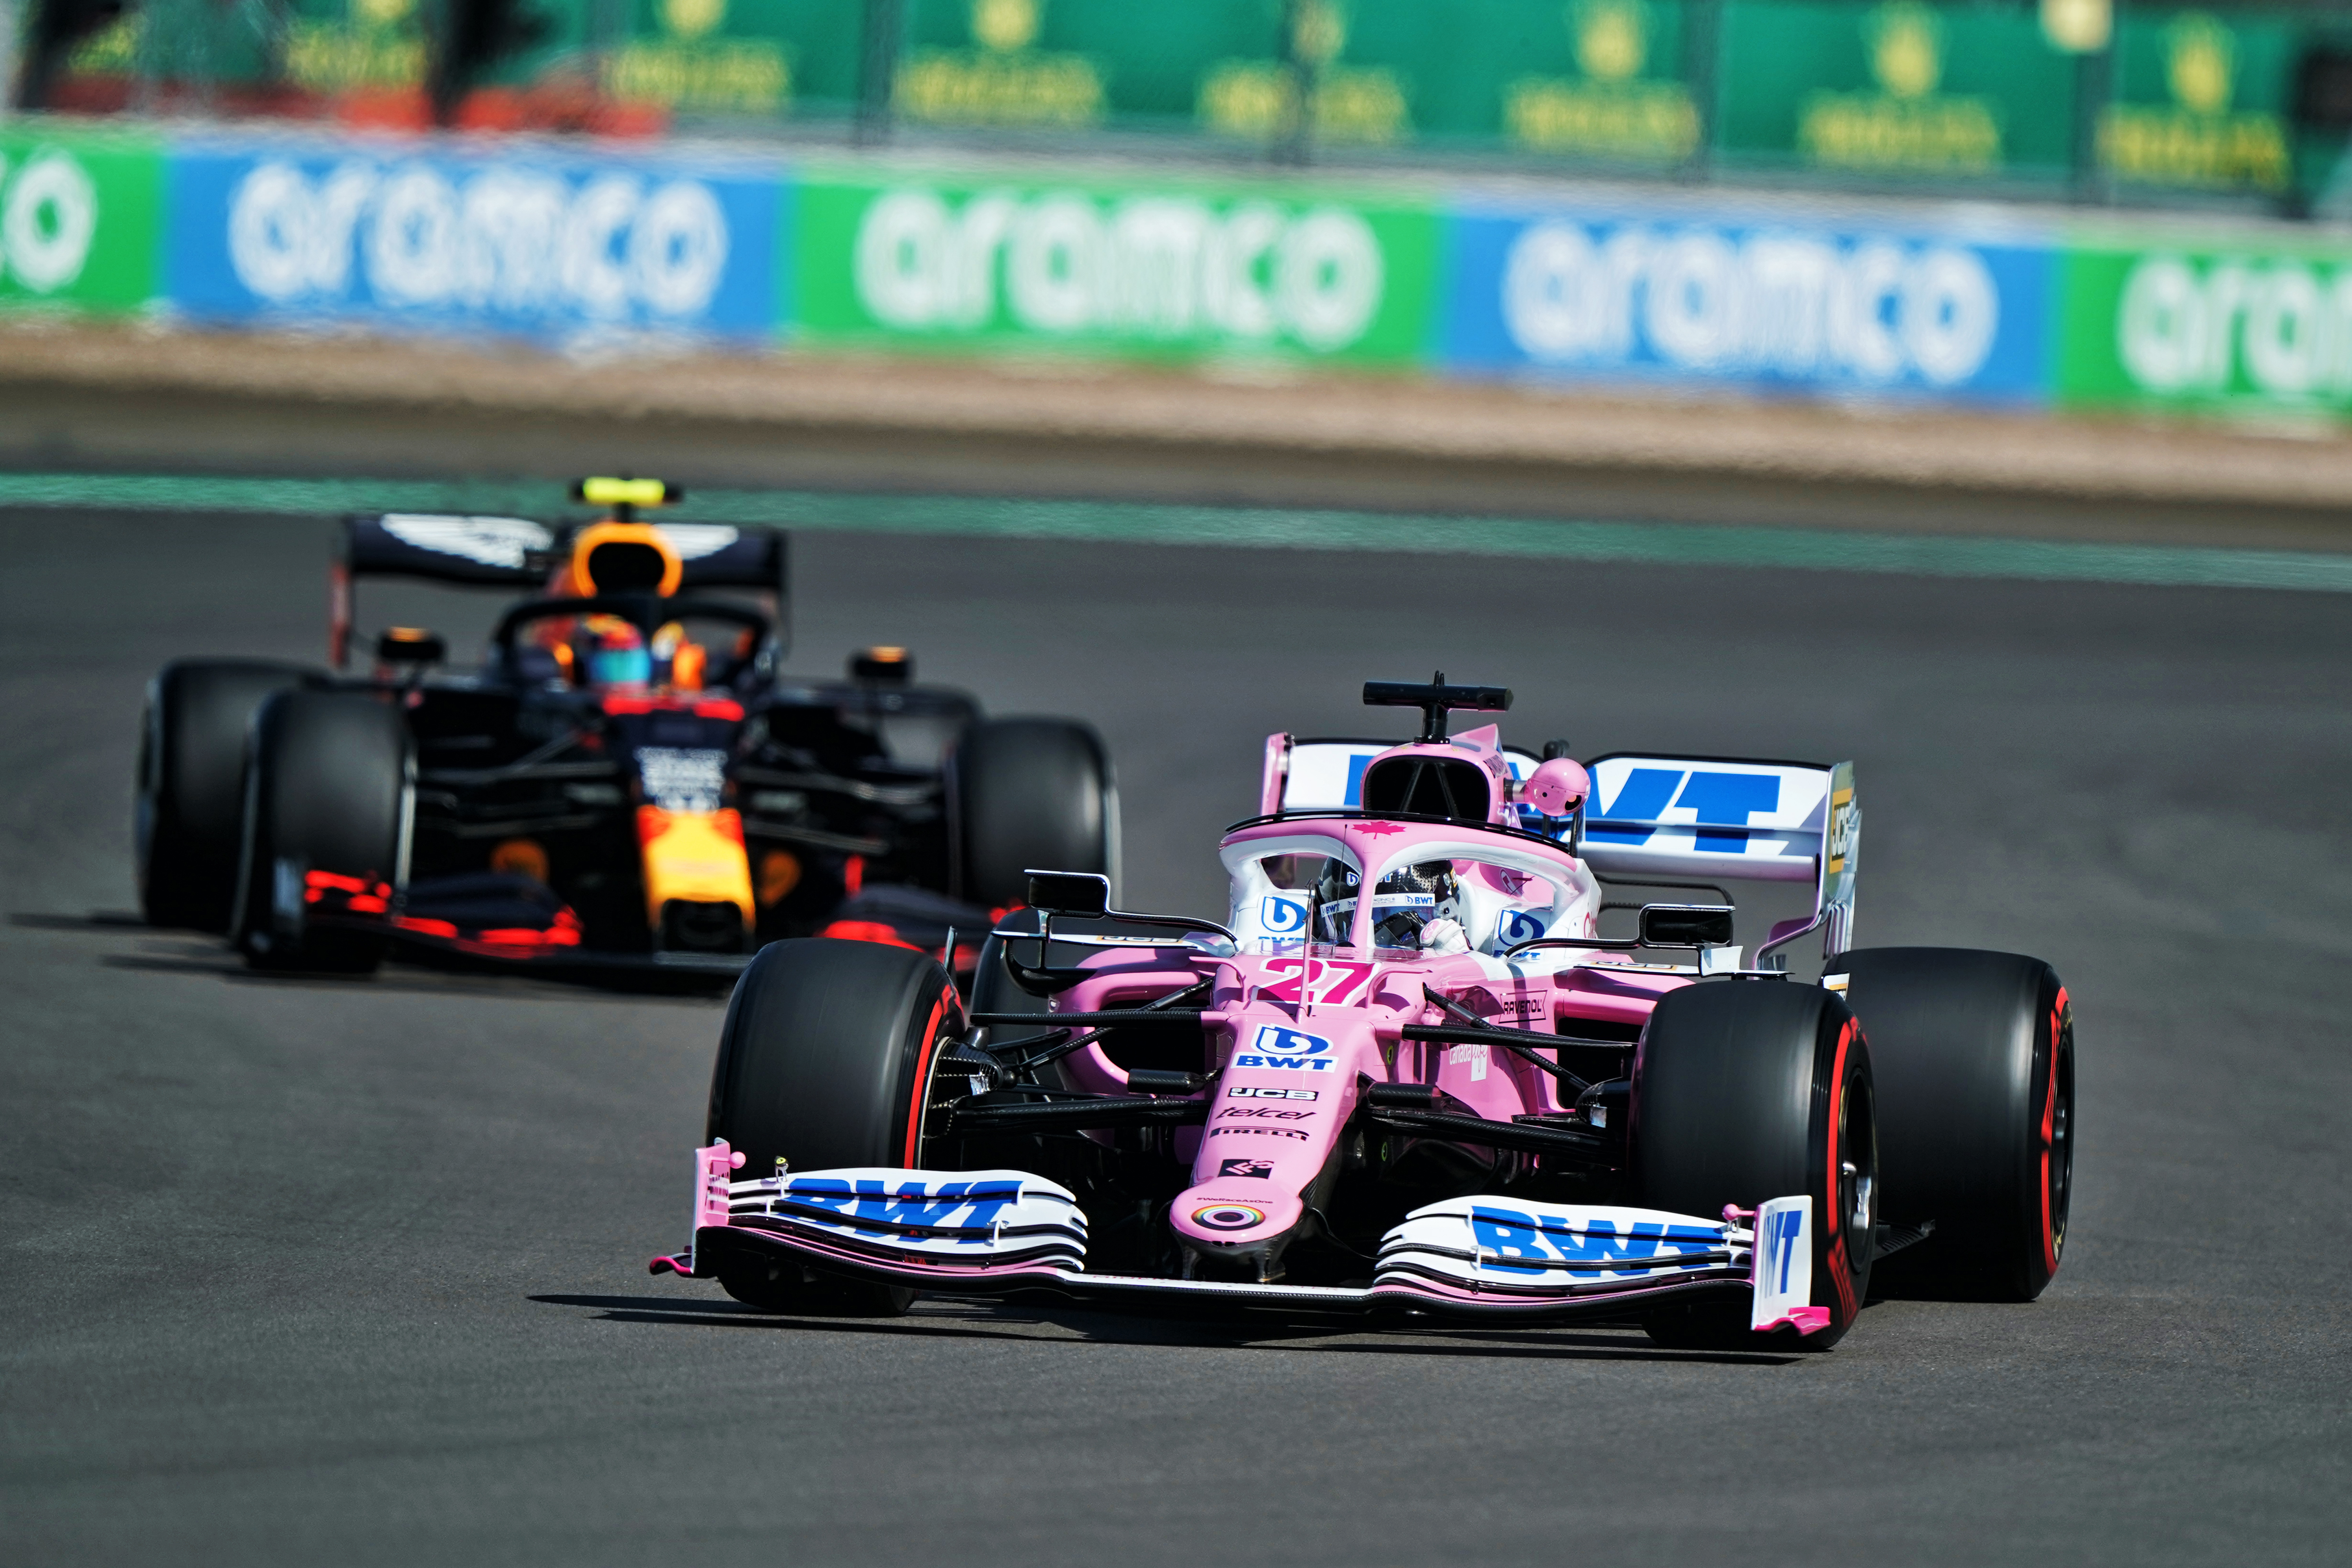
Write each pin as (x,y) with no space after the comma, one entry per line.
(1261,1147)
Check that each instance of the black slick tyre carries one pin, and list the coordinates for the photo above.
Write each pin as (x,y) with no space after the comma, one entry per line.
(189,792)
(824,1062)
(1750,1090)
(327,803)
(1028,793)
(1975,1059)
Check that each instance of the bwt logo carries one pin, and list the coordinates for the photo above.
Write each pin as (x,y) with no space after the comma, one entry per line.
(1720,801)
(1784,304)
(1517,926)
(1280,1048)
(1158,267)
(1283,917)
(1512,1237)
(505,239)
(870,1206)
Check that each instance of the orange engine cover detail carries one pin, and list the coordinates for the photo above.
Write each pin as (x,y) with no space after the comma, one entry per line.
(696,856)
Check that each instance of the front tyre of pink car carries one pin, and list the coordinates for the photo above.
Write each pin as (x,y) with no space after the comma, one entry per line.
(1750,1090)
(822,1062)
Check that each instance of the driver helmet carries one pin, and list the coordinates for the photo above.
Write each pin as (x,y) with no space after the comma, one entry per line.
(616,653)
(1405,901)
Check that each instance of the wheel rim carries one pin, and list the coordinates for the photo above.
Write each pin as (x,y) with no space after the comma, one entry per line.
(1857,1194)
(2058,1179)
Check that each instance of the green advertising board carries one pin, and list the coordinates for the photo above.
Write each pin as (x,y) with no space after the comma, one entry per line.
(334,47)
(1896,89)
(737,58)
(80,221)
(2253,328)
(1587,79)
(2200,102)
(1157,271)
(1072,63)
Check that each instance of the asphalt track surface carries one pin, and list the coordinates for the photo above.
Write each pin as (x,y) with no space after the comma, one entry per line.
(354,1272)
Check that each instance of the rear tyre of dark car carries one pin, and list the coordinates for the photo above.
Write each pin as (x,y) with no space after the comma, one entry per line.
(823,1062)
(1026,794)
(189,792)
(328,802)
(1974,1054)
(1745,1091)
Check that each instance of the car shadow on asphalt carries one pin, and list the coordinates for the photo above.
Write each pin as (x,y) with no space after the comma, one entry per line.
(958,1319)
(196,953)
(97,920)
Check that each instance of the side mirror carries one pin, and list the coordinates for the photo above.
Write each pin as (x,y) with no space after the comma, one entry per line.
(1556,787)
(1083,895)
(410,646)
(1685,925)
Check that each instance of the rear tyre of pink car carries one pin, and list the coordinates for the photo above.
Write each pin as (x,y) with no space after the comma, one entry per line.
(329,787)
(190,786)
(823,1062)
(1750,1090)
(1975,1057)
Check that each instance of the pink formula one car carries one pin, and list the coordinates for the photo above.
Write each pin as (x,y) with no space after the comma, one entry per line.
(1407,1075)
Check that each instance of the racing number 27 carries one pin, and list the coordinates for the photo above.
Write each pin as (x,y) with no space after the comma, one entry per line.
(1326,980)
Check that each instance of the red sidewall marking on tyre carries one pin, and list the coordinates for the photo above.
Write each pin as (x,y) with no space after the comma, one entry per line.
(2050,1131)
(923,1080)
(1833,1223)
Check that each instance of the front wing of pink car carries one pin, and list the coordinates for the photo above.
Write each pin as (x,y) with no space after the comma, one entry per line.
(996,1232)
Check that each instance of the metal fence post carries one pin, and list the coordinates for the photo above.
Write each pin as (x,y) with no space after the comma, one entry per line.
(882,36)
(1703,76)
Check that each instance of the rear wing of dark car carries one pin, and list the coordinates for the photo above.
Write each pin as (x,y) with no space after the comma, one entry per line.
(518,554)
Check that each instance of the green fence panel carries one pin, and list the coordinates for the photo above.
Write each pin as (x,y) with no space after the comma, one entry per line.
(1583,79)
(80,220)
(1063,65)
(2255,328)
(738,57)
(1897,88)
(339,47)
(1162,270)
(2201,101)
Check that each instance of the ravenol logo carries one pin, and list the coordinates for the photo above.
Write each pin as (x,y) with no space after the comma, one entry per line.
(1282,917)
(1288,1042)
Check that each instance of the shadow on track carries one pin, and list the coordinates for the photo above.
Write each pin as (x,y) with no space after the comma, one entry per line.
(990,1322)
(96,921)
(193,952)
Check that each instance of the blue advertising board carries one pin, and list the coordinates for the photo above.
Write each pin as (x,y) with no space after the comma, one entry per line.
(519,243)
(1670,296)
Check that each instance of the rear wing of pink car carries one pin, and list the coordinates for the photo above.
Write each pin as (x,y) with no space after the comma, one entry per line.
(1717,818)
